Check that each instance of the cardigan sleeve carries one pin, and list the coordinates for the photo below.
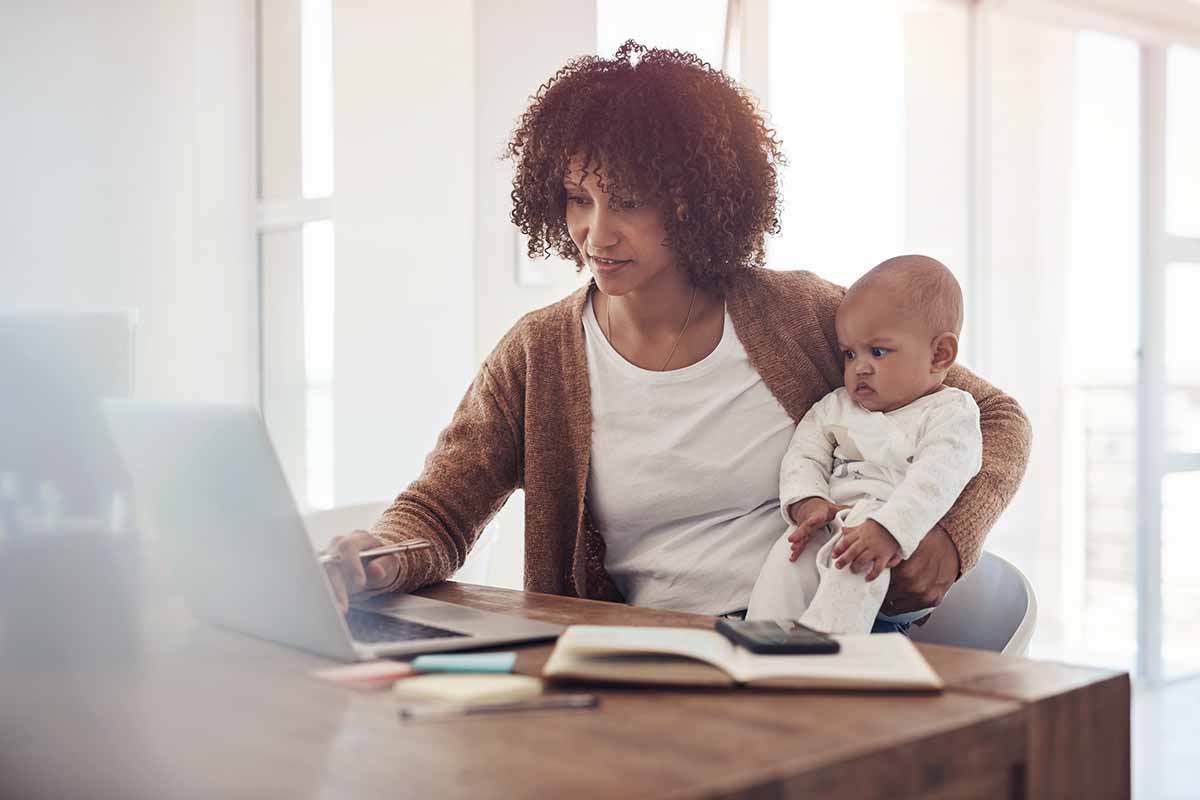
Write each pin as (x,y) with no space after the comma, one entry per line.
(1007,436)
(473,469)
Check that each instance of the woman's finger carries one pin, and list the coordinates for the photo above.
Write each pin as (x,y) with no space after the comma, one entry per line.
(350,565)
(382,571)
(353,570)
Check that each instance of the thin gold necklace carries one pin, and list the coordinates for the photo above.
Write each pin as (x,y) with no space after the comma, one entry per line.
(678,339)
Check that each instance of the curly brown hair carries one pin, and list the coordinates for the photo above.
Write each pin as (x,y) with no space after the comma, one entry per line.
(666,128)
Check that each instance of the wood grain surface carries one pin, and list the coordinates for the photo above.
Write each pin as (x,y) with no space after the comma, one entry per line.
(208,713)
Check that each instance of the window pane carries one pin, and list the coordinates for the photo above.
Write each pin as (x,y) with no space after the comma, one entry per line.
(316,99)
(284,381)
(318,301)
(1100,305)
(696,26)
(318,360)
(319,443)
(1181,589)
(1059,308)
(869,100)
(1183,133)
(1183,360)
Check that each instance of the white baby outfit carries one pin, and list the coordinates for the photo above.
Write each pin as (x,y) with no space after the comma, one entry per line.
(903,468)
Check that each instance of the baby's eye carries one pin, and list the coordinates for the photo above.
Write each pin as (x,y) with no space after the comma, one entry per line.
(848,355)
(878,352)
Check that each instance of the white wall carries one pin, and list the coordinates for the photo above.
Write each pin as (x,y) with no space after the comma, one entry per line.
(127,154)
(404,217)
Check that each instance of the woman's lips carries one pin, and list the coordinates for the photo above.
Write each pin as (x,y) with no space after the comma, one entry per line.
(607,267)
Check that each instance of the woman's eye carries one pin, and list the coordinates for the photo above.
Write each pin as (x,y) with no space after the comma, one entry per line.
(878,352)
(579,201)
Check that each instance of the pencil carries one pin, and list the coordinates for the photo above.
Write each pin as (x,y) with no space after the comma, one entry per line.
(374,552)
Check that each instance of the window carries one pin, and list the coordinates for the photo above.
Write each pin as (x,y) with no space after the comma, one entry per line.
(869,99)
(695,26)
(296,236)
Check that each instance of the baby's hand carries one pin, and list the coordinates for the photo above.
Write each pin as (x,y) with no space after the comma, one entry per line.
(867,545)
(809,515)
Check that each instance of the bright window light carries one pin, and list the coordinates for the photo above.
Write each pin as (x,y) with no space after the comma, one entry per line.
(695,26)
(837,101)
(317,243)
(1183,134)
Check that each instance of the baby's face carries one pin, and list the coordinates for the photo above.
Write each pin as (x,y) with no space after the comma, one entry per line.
(887,358)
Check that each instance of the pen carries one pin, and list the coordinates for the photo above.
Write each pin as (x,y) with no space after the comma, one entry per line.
(434,711)
(367,555)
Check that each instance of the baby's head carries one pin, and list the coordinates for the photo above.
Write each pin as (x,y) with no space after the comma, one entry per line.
(898,329)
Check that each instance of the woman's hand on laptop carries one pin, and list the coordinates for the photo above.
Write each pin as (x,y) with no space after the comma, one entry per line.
(349,576)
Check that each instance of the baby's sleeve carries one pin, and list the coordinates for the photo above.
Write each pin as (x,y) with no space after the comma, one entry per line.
(948,454)
(808,461)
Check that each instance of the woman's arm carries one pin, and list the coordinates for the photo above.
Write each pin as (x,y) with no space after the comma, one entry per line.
(472,470)
(1007,437)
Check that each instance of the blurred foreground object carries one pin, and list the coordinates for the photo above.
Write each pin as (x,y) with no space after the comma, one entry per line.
(70,613)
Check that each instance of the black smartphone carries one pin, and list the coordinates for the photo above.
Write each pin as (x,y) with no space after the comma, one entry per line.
(776,637)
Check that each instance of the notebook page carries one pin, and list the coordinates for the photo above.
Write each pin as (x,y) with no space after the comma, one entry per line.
(708,646)
(867,661)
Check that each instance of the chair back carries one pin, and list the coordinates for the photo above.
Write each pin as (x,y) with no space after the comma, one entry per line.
(992,608)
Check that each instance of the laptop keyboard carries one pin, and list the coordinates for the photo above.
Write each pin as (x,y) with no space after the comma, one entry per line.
(372,628)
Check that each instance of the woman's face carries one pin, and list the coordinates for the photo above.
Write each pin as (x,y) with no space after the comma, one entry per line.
(622,246)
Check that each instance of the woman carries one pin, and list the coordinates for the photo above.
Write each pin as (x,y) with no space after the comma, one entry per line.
(646,415)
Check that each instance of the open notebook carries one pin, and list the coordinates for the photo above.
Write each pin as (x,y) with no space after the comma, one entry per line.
(697,657)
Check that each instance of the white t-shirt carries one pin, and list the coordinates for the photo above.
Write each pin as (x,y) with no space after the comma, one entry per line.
(684,479)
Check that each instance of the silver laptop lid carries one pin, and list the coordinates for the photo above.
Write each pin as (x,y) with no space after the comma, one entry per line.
(218,501)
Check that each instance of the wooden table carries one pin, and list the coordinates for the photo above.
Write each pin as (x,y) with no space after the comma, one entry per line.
(207,713)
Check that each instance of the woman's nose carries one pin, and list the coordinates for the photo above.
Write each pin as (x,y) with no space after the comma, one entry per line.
(601,232)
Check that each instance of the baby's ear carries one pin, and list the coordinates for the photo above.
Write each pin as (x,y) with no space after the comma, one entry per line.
(945,351)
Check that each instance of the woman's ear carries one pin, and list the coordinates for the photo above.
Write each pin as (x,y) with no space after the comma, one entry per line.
(945,351)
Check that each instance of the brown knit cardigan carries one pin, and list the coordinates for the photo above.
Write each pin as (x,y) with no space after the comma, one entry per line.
(525,423)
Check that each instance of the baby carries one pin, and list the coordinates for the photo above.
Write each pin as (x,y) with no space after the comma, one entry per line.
(877,462)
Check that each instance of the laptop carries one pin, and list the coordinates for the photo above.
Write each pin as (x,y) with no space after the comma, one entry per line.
(212,488)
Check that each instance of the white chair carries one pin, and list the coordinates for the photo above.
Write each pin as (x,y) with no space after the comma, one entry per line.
(323,525)
(992,608)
